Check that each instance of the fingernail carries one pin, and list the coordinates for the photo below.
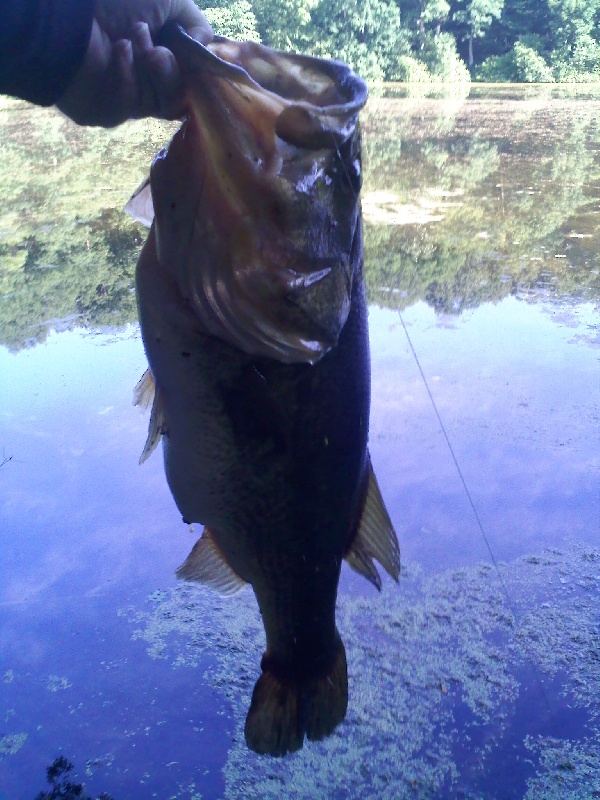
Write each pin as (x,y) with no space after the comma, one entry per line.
(140,36)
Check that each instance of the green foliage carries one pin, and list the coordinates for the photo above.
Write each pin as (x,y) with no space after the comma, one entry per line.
(530,67)
(582,64)
(523,64)
(497,69)
(367,34)
(381,39)
(285,26)
(450,213)
(411,70)
(435,12)
(67,251)
(235,20)
(476,17)
(442,59)
(493,222)
(572,19)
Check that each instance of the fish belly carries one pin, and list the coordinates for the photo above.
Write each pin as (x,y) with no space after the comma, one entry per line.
(271,458)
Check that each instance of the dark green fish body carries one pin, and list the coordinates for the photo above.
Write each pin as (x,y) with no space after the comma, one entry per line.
(264,416)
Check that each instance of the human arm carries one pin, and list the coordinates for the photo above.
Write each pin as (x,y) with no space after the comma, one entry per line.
(95,60)
(42,45)
(123,74)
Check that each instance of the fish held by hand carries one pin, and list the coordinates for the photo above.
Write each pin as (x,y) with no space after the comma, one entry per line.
(253,313)
(255,201)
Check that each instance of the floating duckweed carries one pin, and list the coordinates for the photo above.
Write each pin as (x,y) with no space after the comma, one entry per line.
(56,683)
(567,770)
(435,670)
(11,744)
(100,762)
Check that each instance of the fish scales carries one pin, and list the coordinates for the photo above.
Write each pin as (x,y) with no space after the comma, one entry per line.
(253,314)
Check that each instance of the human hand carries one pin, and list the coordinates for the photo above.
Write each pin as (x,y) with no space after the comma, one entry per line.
(124,76)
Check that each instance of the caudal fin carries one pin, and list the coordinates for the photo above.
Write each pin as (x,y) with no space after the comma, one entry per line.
(284,710)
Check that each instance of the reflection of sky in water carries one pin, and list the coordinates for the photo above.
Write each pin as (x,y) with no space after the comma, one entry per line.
(519,397)
(86,535)
(143,683)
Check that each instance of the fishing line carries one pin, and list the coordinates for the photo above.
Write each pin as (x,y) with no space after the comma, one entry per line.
(503,586)
(456,464)
(495,564)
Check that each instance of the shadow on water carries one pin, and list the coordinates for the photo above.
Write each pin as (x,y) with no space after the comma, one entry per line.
(481,229)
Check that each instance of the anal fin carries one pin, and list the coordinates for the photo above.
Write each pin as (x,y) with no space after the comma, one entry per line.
(375,537)
(146,394)
(206,564)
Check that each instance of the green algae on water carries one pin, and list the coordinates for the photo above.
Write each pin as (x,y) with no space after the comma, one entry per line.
(435,669)
(11,744)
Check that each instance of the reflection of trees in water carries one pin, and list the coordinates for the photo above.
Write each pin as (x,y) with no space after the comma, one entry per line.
(82,276)
(509,229)
(67,252)
(58,775)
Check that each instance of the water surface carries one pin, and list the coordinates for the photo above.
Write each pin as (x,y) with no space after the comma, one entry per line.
(479,675)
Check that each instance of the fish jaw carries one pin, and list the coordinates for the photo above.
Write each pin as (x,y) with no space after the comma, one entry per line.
(256,198)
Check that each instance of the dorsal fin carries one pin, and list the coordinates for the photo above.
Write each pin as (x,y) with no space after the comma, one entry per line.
(375,537)
(147,394)
(206,564)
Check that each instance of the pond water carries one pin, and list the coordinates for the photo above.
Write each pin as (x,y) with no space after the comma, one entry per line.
(478,676)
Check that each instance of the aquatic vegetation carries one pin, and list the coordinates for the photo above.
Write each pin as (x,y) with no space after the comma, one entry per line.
(11,744)
(57,683)
(436,668)
(567,771)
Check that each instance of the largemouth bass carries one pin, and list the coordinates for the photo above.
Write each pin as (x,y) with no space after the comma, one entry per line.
(253,315)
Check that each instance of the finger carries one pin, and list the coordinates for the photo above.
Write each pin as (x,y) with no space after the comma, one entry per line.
(160,84)
(148,102)
(163,75)
(104,92)
(201,33)
(141,39)
(187,13)
(122,92)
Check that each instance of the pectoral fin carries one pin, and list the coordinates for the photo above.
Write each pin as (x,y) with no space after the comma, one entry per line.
(206,564)
(146,395)
(140,205)
(375,538)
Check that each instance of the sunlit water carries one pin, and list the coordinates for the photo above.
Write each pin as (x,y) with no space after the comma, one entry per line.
(479,675)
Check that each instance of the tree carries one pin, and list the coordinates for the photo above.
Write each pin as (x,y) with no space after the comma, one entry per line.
(365,33)
(575,53)
(435,12)
(572,19)
(284,26)
(477,16)
(519,19)
(233,19)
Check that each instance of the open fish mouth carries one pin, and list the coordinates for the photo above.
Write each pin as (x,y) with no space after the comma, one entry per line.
(255,201)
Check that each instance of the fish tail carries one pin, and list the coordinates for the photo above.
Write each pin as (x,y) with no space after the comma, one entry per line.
(285,709)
